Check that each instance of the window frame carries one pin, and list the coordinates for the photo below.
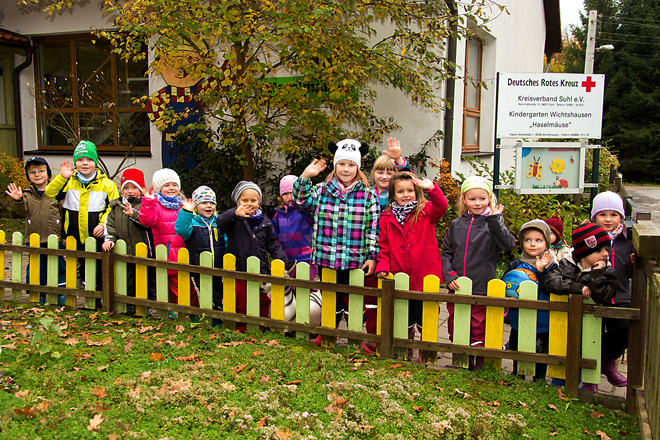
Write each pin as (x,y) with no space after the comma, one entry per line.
(76,110)
(472,112)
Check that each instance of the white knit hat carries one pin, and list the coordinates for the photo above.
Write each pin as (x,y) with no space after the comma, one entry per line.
(608,201)
(161,177)
(348,149)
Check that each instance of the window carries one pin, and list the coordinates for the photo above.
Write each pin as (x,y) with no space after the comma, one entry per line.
(85,91)
(472,102)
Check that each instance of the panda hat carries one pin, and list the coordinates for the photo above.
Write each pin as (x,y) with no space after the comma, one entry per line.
(348,149)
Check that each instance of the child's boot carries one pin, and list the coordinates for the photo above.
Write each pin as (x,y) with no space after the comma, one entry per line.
(608,368)
(591,387)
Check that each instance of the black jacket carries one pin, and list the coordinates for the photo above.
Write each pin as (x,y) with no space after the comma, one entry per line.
(244,241)
(569,278)
(620,253)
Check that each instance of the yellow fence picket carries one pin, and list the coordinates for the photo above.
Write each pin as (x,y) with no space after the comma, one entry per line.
(162,287)
(462,323)
(558,337)
(277,293)
(52,276)
(184,282)
(17,264)
(141,279)
(328,306)
(430,318)
(71,273)
(121,282)
(35,267)
(2,253)
(229,290)
(495,322)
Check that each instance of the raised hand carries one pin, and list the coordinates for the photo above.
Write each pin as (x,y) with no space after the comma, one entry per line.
(393,149)
(150,193)
(425,184)
(188,204)
(66,169)
(543,261)
(314,169)
(15,192)
(241,211)
(127,209)
(499,209)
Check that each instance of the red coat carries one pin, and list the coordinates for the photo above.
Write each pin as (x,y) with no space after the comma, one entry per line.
(413,248)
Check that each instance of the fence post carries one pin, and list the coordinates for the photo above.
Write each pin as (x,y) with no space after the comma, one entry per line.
(108,288)
(387,319)
(636,334)
(574,344)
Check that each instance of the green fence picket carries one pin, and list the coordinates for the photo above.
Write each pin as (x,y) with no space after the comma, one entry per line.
(355,305)
(462,323)
(90,272)
(161,280)
(400,324)
(527,327)
(121,274)
(591,344)
(302,299)
(206,283)
(17,264)
(52,276)
(252,291)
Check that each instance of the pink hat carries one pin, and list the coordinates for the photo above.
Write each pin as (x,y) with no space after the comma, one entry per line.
(134,176)
(286,184)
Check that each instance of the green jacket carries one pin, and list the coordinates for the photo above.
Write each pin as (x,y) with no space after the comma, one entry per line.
(42,214)
(119,226)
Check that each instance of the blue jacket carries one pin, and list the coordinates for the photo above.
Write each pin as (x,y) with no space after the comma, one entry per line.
(201,235)
(542,316)
(294,228)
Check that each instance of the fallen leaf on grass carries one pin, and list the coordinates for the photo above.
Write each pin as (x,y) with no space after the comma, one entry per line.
(128,347)
(94,315)
(192,357)
(71,341)
(553,407)
(462,393)
(156,357)
(417,408)
(99,392)
(145,329)
(602,435)
(238,369)
(293,382)
(95,422)
(404,373)
(523,404)
(42,406)
(179,328)
(105,341)
(22,394)
(11,346)
(561,395)
(100,407)
(283,435)
(442,424)
(552,434)
(102,367)
(28,411)
(396,366)
(595,415)
(261,423)
(256,353)
(264,379)
(495,403)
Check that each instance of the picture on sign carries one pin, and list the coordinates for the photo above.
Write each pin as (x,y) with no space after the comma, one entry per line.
(550,105)
(549,168)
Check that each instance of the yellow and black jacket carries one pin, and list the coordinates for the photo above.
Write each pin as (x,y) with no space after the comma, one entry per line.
(85,206)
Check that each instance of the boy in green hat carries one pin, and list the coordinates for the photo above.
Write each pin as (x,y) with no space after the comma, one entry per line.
(87,193)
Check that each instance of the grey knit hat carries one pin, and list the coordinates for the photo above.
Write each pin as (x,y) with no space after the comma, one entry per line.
(539,225)
(242,186)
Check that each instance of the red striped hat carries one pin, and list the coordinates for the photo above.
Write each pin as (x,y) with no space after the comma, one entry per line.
(587,239)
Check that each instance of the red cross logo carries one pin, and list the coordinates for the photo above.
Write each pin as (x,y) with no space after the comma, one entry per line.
(588,84)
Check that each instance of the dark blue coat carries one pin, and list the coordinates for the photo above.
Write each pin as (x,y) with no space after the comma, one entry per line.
(201,235)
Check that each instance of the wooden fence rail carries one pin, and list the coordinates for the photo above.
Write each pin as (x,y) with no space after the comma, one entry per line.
(575,327)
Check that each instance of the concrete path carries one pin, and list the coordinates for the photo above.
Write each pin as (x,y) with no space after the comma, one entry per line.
(646,198)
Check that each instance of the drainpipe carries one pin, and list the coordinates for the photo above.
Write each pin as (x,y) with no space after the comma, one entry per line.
(18,122)
(450,91)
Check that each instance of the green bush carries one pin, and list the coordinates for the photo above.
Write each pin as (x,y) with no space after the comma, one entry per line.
(11,170)
(607,158)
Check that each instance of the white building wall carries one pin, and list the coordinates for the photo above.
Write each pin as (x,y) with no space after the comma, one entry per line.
(513,43)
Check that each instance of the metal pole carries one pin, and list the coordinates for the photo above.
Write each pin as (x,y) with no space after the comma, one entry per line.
(496,159)
(589,69)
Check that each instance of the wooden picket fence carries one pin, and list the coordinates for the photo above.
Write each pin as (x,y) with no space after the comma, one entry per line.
(575,326)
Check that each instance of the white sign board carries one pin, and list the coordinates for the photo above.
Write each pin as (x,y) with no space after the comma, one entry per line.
(550,105)
(549,168)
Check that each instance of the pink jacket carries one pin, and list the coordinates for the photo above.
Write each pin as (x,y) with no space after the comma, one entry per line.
(161,221)
(413,248)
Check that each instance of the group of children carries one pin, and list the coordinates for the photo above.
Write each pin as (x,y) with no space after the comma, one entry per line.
(342,223)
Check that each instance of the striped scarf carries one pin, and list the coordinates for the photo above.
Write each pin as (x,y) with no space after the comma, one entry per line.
(401,211)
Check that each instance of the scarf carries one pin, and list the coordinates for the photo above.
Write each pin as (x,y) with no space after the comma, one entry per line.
(615,233)
(526,258)
(86,181)
(401,211)
(255,220)
(169,202)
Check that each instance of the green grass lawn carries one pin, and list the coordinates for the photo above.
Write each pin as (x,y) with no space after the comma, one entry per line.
(11,225)
(114,377)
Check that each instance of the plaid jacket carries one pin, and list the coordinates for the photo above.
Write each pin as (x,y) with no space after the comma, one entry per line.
(345,225)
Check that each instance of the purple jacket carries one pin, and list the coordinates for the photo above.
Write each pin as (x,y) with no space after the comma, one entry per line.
(294,228)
